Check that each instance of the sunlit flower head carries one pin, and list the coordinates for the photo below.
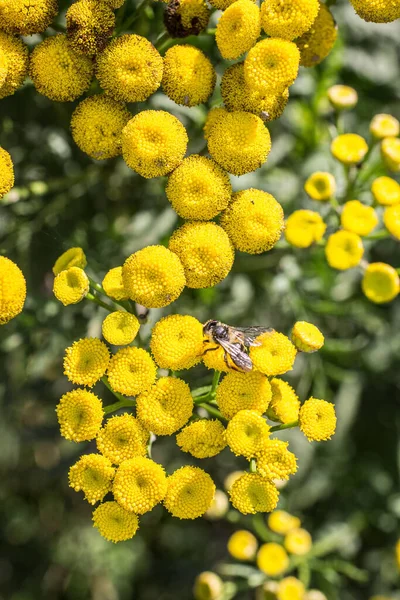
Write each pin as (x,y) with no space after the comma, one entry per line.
(73,257)
(114,522)
(26,18)
(189,77)
(243,391)
(247,433)
(377,11)
(290,588)
(113,284)
(304,228)
(342,97)
(208,586)
(320,186)
(380,283)
(123,437)
(383,126)
(252,493)
(177,342)
(298,541)
(131,371)
(391,219)
(307,337)
(71,286)
(316,43)
(242,545)
(80,415)
(120,328)
(166,406)
(390,151)
(349,148)
(282,522)
(93,475)
(344,250)
(275,461)
(238,29)
(317,420)
(139,484)
(6,172)
(386,191)
(203,438)
(12,290)
(358,217)
(290,19)
(285,404)
(272,64)
(272,559)
(274,355)
(14,62)
(86,361)
(89,25)
(190,493)
(215,115)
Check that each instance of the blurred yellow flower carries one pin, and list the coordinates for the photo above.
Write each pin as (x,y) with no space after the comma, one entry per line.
(380,283)
(344,250)
(272,559)
(349,148)
(320,186)
(298,541)
(304,228)
(242,545)
(307,337)
(386,191)
(342,97)
(358,218)
(282,522)
(383,126)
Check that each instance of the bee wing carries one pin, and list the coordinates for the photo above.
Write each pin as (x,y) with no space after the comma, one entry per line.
(249,334)
(238,356)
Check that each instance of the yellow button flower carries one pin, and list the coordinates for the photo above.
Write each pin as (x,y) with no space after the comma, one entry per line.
(139,484)
(131,371)
(380,283)
(377,11)
(243,391)
(298,541)
(272,64)
(231,478)
(391,219)
(242,545)
(252,493)
(166,406)
(114,522)
(342,97)
(304,228)
(282,522)
(190,493)
(123,437)
(275,354)
(186,17)
(386,191)
(285,404)
(208,586)
(89,26)
(6,173)
(344,250)
(316,43)
(93,474)
(307,337)
(71,286)
(120,328)
(216,359)
(17,16)
(214,116)
(349,148)
(113,284)
(74,257)
(246,433)
(275,461)
(320,186)
(317,420)
(390,150)
(80,414)
(358,218)
(202,439)
(272,559)
(16,62)
(12,290)
(177,342)
(290,19)
(86,361)
(290,588)
(238,29)
(383,126)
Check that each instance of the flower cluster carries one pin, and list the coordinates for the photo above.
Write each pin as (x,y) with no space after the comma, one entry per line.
(12,290)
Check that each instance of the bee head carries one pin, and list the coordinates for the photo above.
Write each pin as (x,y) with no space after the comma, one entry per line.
(209,326)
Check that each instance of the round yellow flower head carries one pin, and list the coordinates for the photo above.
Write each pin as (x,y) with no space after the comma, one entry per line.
(123,437)
(186,17)
(316,43)
(231,478)
(290,588)
(238,29)
(380,283)
(74,257)
(215,115)
(114,4)
(153,277)
(272,64)
(253,221)
(154,143)
(386,191)
(344,250)
(383,126)
(15,63)
(166,406)
(216,359)
(71,286)
(93,474)
(12,290)
(58,72)
(177,342)
(288,20)
(130,68)
(320,186)
(113,284)
(342,97)
(208,586)
(86,361)
(190,493)
(239,142)
(79,414)
(275,461)
(202,439)
(307,337)
(272,559)
(18,16)
(6,172)
(282,522)
(97,124)
(377,11)
(304,228)
(285,404)
(317,595)
(390,151)
(242,545)
(358,218)
(397,550)
(219,506)
(298,541)
(246,433)
(275,354)
(252,493)
(115,523)
(189,77)
(391,219)
(205,252)
(131,371)
(139,484)
(317,420)
(349,148)
(89,26)
(120,328)
(243,391)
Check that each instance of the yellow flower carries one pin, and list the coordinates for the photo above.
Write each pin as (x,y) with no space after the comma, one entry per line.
(215,115)
(271,64)
(380,283)
(320,186)
(342,97)
(383,126)
(386,191)
(285,404)
(398,553)
(272,559)
(298,541)
(242,545)
(190,493)
(290,588)
(186,17)
(358,218)
(26,18)
(219,506)
(89,25)
(252,493)
(120,328)
(316,43)
(208,586)
(243,391)
(79,414)
(239,142)
(6,172)
(238,29)
(198,189)
(71,286)
(58,72)
(15,56)
(202,439)
(390,150)
(377,11)
(113,284)
(97,124)
(391,219)
(93,474)
(153,277)
(344,250)
(304,228)
(275,461)
(307,337)
(189,77)
(317,420)
(349,148)
(12,290)
(131,371)
(154,143)
(205,252)
(177,342)
(113,3)
(166,406)
(231,478)
(123,437)
(246,433)
(275,354)
(139,484)
(215,358)
(282,522)
(86,361)
(74,257)
(130,68)
(253,221)
(290,19)
(317,595)
(114,522)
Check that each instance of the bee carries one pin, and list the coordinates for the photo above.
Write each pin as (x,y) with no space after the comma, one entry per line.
(235,342)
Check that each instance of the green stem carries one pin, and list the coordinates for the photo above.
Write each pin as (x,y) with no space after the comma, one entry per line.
(58,27)
(97,300)
(120,404)
(212,411)
(284,426)
(162,42)
(261,529)
(201,391)
(378,235)
(129,22)
(215,382)
(253,465)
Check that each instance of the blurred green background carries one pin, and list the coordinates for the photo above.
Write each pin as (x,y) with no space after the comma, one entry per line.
(62,198)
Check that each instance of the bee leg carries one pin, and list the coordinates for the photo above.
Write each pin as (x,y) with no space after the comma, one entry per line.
(232,367)
(210,350)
